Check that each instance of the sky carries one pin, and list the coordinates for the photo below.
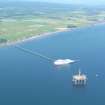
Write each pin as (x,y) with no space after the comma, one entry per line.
(86,2)
(76,1)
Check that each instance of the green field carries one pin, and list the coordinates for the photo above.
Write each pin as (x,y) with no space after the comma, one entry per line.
(20,28)
(15,27)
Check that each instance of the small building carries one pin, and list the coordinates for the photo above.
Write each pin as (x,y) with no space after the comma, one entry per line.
(79,79)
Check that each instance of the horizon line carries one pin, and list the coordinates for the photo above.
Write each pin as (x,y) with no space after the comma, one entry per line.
(60,3)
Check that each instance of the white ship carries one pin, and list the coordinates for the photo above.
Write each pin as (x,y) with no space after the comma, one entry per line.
(63,61)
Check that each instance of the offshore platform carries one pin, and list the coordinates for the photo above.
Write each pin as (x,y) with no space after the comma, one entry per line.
(79,79)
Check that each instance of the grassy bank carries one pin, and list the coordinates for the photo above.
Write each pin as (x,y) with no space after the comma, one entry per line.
(20,22)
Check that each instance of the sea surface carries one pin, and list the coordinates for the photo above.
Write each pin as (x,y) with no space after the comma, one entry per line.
(27,79)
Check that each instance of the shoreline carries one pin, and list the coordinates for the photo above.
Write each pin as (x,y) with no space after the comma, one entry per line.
(47,34)
(33,37)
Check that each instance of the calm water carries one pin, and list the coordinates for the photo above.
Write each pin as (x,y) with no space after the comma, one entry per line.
(26,79)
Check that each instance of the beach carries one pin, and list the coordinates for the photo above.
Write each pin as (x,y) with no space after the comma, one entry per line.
(48,34)
(35,37)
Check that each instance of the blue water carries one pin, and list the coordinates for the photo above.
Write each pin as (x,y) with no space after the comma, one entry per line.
(27,79)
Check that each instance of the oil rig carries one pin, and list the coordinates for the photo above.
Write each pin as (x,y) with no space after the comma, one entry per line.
(79,79)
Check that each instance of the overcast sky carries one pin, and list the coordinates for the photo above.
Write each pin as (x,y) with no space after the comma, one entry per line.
(89,2)
(77,1)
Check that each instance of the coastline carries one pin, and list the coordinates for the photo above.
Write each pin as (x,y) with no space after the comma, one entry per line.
(48,34)
(34,37)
